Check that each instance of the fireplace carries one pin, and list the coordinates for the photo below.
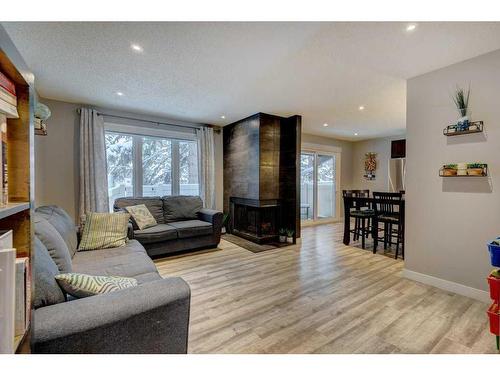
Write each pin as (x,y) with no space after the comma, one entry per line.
(255,220)
(261,179)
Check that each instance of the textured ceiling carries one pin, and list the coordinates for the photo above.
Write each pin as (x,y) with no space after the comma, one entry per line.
(200,71)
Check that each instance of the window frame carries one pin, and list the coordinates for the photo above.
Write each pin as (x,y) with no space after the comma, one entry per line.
(137,133)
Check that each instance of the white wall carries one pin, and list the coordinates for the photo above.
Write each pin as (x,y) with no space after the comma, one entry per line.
(56,157)
(382,146)
(449,221)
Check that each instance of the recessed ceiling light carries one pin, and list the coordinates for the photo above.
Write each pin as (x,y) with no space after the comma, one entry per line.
(361,107)
(119,93)
(136,47)
(411,27)
(355,133)
(223,117)
(325,125)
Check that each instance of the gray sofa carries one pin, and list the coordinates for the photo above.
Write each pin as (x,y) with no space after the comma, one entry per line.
(152,317)
(183,224)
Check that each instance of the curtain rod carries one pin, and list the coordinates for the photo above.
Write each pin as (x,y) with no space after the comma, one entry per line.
(150,121)
(155,122)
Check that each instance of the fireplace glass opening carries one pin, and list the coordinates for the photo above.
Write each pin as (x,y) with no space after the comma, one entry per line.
(255,220)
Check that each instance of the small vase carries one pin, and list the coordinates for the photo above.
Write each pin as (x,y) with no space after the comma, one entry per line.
(289,239)
(282,239)
(494,254)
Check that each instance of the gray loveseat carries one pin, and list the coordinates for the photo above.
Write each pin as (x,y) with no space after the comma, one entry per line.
(183,224)
(152,317)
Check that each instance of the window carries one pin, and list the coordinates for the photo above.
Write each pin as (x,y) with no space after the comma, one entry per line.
(150,165)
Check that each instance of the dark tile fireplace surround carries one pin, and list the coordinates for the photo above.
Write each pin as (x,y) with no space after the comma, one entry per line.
(261,180)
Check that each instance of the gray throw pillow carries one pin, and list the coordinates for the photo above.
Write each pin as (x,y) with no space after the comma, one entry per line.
(63,223)
(181,207)
(154,205)
(54,243)
(47,290)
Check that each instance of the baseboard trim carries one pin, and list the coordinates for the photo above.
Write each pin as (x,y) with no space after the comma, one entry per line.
(449,286)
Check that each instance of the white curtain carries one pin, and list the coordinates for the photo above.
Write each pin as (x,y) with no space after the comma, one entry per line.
(206,161)
(93,174)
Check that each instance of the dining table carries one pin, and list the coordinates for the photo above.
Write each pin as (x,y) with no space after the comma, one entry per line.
(351,202)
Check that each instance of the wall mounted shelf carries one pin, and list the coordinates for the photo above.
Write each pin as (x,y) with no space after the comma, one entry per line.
(474,127)
(471,172)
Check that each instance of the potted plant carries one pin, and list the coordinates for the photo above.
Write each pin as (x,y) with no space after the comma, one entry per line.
(282,235)
(475,169)
(449,170)
(289,235)
(225,220)
(461,99)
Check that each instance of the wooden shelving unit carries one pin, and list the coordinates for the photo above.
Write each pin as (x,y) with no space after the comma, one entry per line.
(18,214)
(13,208)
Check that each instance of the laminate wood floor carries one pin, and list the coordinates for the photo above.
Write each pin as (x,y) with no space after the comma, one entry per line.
(321,296)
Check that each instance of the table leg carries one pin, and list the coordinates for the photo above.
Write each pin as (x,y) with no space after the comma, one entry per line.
(347,223)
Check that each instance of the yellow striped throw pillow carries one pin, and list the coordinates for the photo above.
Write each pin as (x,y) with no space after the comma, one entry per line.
(80,285)
(104,230)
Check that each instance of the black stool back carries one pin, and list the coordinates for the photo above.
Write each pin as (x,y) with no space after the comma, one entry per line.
(388,210)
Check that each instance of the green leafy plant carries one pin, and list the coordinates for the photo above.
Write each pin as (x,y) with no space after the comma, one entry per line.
(290,232)
(476,165)
(450,166)
(282,232)
(461,99)
(225,220)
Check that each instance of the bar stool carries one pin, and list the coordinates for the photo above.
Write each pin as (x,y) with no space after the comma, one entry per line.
(388,210)
(362,213)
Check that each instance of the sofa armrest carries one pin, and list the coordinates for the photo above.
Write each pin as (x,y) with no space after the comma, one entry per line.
(211,216)
(149,318)
(130,231)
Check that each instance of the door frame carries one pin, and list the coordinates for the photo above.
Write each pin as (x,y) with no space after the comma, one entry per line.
(337,154)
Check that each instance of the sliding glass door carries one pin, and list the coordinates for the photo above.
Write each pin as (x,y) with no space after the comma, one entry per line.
(307,186)
(319,181)
(326,186)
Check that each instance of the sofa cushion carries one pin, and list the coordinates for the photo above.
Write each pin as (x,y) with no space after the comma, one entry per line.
(158,233)
(80,285)
(192,228)
(47,291)
(181,207)
(54,243)
(141,216)
(154,205)
(104,230)
(129,261)
(63,223)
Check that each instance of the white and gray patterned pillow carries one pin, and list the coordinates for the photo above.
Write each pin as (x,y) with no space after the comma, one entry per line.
(141,216)
(80,285)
